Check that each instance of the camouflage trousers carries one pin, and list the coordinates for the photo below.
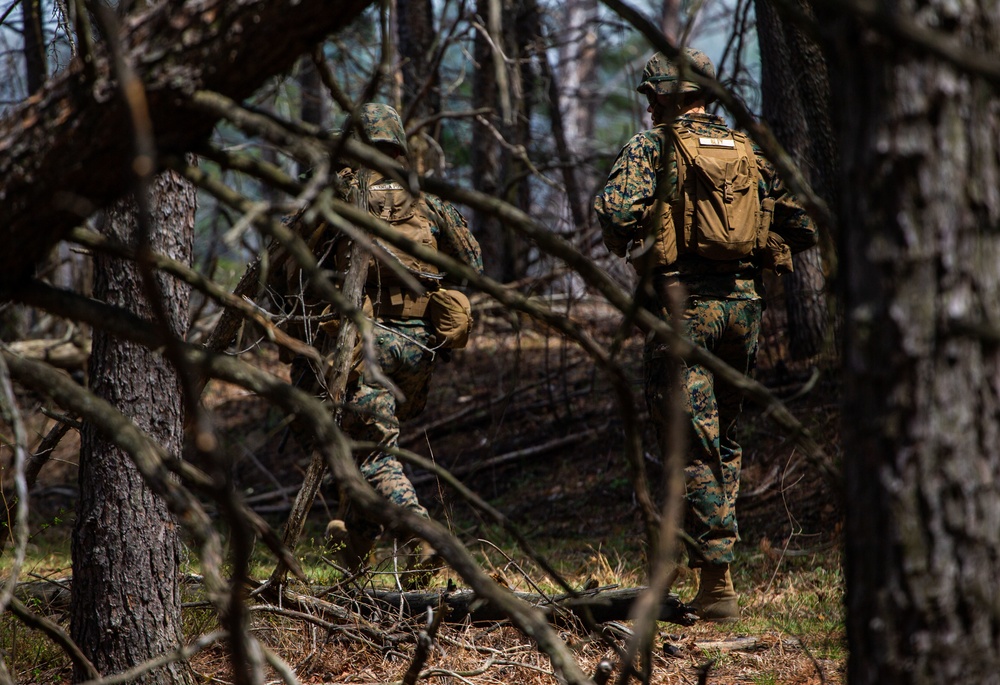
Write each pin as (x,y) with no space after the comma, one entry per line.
(728,329)
(373,412)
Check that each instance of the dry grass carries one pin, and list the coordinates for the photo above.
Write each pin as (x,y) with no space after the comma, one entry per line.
(574,505)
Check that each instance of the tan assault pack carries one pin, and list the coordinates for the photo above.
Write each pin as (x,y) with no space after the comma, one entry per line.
(448,310)
(719,215)
(390,296)
(386,293)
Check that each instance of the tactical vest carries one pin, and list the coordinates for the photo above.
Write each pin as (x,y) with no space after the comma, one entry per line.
(715,213)
(409,216)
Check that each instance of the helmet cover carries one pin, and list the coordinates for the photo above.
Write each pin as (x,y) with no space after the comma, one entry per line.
(662,76)
(381,123)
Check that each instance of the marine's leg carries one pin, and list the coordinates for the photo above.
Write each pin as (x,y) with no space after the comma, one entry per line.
(738,348)
(737,345)
(375,414)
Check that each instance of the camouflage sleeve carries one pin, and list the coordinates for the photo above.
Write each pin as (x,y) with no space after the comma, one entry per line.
(790,220)
(453,234)
(629,192)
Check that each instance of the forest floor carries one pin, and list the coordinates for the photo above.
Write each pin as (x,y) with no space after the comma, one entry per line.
(525,420)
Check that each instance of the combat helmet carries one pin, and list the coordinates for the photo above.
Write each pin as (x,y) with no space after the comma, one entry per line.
(662,75)
(382,124)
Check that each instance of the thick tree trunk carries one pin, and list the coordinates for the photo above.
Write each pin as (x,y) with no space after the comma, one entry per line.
(417,38)
(921,254)
(488,158)
(418,43)
(502,85)
(126,602)
(787,112)
(805,302)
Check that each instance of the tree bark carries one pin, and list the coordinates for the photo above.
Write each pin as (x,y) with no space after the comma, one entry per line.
(36,65)
(69,137)
(126,552)
(787,110)
(495,169)
(921,270)
(599,606)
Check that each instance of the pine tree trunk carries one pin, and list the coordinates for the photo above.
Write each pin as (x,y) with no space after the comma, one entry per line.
(787,112)
(489,160)
(805,302)
(920,217)
(418,38)
(36,65)
(126,602)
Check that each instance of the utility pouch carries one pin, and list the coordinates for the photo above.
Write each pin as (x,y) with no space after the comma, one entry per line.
(450,314)
(776,255)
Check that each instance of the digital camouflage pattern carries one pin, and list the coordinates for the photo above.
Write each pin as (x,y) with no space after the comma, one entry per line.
(721,313)
(382,124)
(728,328)
(404,354)
(662,75)
(631,187)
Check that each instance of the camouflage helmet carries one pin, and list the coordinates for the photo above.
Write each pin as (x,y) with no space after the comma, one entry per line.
(382,124)
(661,75)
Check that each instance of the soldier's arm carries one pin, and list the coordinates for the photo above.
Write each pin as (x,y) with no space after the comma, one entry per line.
(790,220)
(454,237)
(629,192)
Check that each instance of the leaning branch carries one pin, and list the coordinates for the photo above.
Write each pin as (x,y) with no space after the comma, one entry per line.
(176,48)
(332,443)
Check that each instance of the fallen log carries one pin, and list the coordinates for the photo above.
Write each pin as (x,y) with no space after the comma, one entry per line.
(603,605)
(71,354)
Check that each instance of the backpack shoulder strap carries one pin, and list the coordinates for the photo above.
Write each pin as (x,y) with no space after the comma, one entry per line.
(686,150)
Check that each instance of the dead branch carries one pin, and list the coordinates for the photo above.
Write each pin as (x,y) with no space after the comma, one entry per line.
(56,634)
(336,450)
(601,605)
(175,48)
(336,379)
(516,455)
(69,354)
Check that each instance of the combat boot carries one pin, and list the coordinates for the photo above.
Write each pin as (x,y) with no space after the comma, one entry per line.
(716,599)
(352,544)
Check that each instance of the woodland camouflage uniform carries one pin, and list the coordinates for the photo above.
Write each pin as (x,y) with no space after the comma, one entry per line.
(721,311)
(406,344)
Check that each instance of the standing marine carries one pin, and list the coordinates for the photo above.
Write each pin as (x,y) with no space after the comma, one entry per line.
(700,213)
(413,328)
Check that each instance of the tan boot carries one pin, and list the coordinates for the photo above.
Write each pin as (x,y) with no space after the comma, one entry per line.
(716,599)
(353,545)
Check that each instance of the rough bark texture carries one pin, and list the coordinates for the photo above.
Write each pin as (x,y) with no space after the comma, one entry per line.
(806,304)
(790,100)
(126,602)
(921,253)
(418,45)
(68,137)
(36,65)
